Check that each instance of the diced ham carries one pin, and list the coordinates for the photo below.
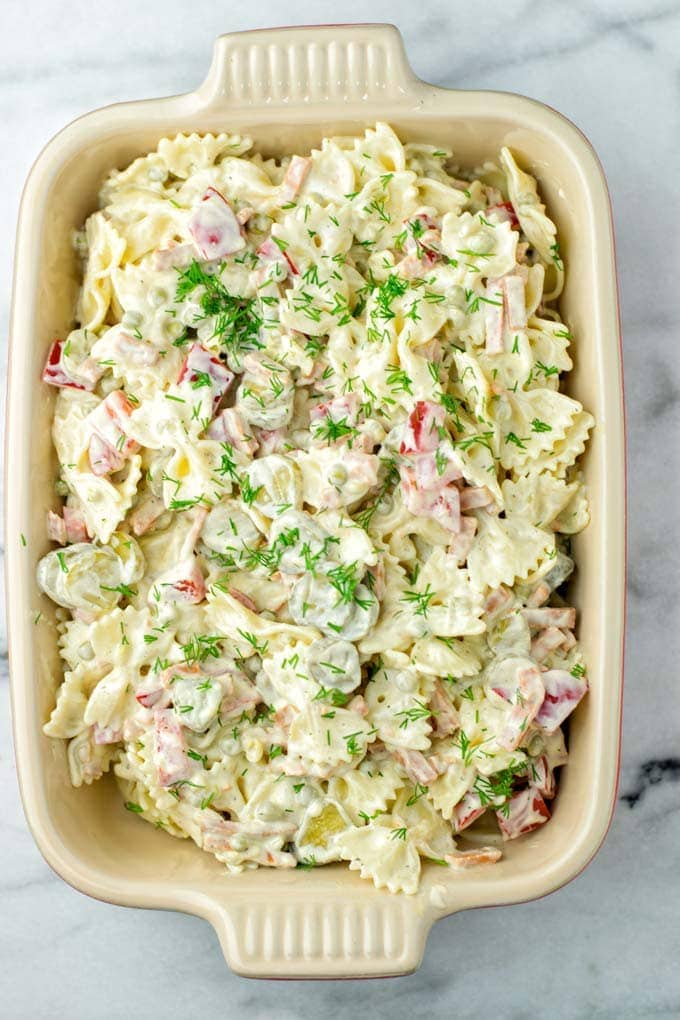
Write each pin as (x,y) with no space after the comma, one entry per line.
(541,777)
(342,411)
(106,734)
(411,267)
(56,528)
(215,827)
(76,529)
(344,407)
(270,254)
(539,595)
(562,694)
(432,350)
(494,318)
(244,599)
(201,371)
(170,749)
(104,459)
(446,718)
(221,836)
(361,468)
(515,303)
(119,345)
(496,602)
(472,497)
(467,811)
(569,640)
(294,177)
(416,766)
(461,859)
(423,240)
(214,227)
(421,432)
(503,212)
(537,619)
(194,533)
(184,583)
(528,699)
(145,514)
(549,640)
(133,728)
(378,583)
(56,373)
(269,251)
(358,704)
(461,544)
(284,717)
(228,427)
(110,421)
(426,486)
(91,370)
(423,253)
(270,441)
(175,256)
(424,221)
(151,694)
(524,812)
(136,352)
(441,503)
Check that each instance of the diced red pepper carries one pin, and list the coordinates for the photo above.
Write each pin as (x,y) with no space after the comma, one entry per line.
(467,811)
(56,529)
(170,749)
(201,368)
(104,458)
(504,212)
(523,813)
(76,528)
(183,584)
(214,227)
(55,372)
(422,429)
(295,175)
(563,691)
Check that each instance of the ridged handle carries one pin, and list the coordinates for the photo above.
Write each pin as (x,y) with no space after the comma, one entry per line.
(322,933)
(343,63)
(315,938)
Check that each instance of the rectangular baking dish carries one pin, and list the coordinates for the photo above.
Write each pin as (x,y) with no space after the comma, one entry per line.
(287,89)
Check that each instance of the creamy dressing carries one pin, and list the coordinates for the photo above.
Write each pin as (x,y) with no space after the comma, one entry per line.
(320,481)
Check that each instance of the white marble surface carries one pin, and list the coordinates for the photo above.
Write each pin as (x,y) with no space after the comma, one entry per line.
(607,945)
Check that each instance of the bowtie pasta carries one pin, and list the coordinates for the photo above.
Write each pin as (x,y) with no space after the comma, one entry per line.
(319,483)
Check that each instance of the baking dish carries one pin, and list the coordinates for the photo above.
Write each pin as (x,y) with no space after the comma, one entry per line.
(287,89)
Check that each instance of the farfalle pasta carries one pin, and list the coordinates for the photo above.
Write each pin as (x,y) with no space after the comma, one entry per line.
(318,484)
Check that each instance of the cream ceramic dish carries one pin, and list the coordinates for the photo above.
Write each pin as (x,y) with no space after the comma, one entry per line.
(287,89)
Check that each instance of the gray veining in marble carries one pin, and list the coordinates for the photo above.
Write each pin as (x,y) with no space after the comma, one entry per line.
(607,945)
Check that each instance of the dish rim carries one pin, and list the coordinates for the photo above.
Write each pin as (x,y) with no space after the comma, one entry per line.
(53,156)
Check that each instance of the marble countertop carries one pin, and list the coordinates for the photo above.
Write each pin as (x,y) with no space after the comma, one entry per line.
(608,944)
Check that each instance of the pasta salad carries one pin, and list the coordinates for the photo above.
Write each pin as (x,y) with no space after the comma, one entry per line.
(318,485)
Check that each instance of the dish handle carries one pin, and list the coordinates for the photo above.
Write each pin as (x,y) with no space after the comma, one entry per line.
(333,936)
(348,64)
